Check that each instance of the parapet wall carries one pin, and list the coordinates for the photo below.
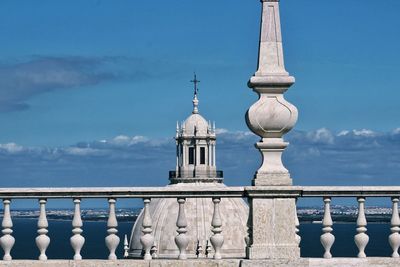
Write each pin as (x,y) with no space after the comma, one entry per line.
(302,262)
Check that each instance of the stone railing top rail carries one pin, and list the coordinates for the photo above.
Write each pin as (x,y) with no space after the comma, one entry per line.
(200,191)
(350,191)
(121,192)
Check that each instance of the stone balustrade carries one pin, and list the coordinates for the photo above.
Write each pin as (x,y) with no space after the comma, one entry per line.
(112,194)
(361,193)
(257,214)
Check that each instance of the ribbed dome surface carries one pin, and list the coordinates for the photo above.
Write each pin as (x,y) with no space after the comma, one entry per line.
(199,212)
(195,121)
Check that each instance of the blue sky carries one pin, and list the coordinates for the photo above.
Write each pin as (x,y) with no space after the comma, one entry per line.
(73,73)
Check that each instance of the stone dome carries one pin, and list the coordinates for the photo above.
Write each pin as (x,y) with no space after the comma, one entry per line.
(199,212)
(195,123)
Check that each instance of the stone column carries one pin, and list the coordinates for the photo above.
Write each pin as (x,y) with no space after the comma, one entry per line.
(177,157)
(213,156)
(196,153)
(209,154)
(272,231)
(184,154)
(271,116)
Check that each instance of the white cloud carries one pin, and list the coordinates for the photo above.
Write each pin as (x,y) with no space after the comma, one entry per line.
(322,135)
(11,148)
(221,131)
(396,131)
(77,151)
(314,158)
(364,132)
(235,136)
(343,133)
(126,140)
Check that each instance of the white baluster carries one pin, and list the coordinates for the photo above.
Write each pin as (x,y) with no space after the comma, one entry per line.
(77,240)
(181,240)
(146,239)
(112,240)
(126,247)
(7,241)
(42,240)
(361,238)
(217,240)
(296,225)
(327,238)
(394,238)
(208,249)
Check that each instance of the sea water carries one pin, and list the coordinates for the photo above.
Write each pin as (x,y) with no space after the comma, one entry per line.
(96,231)
(60,232)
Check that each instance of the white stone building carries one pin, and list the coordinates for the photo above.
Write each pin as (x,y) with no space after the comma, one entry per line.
(195,168)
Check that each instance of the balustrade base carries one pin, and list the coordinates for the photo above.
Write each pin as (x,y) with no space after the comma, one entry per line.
(301,262)
(273,231)
(273,252)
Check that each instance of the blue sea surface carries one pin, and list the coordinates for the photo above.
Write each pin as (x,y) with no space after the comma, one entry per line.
(95,232)
(25,232)
(344,246)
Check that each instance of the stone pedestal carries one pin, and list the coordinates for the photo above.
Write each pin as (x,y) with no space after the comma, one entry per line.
(272,229)
(272,171)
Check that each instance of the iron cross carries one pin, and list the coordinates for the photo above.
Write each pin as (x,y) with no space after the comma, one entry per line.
(195,82)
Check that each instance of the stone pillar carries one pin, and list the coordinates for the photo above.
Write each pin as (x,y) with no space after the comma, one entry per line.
(184,154)
(209,153)
(271,116)
(272,231)
(177,157)
(196,153)
(213,150)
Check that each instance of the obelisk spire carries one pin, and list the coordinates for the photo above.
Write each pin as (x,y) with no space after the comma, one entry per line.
(270,57)
(271,116)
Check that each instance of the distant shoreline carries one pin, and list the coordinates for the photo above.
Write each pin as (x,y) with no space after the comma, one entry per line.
(67,220)
(339,214)
(133,219)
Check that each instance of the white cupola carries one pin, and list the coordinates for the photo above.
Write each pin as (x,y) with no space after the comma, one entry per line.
(195,148)
(195,169)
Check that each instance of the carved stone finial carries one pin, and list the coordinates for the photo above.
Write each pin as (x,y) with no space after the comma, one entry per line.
(195,105)
(126,247)
(199,249)
(271,116)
